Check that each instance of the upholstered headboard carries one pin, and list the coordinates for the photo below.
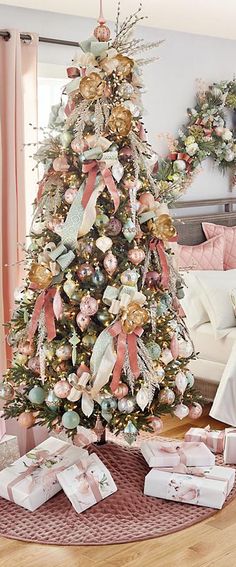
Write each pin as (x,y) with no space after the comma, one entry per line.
(190,227)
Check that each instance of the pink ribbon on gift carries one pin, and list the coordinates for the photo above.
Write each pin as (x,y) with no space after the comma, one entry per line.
(93,168)
(157,244)
(44,300)
(41,457)
(83,466)
(125,341)
(205,436)
(182,449)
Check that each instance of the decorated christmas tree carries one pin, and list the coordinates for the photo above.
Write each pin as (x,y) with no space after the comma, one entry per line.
(96,335)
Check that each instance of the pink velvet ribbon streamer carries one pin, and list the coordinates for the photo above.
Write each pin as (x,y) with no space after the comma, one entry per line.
(125,341)
(44,300)
(41,457)
(84,472)
(93,168)
(157,244)
(180,155)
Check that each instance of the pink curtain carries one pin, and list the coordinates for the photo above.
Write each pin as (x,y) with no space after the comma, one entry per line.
(18,108)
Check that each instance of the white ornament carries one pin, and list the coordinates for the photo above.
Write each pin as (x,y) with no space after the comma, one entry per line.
(181,411)
(142,398)
(117,171)
(104,243)
(181,382)
(166,356)
(192,149)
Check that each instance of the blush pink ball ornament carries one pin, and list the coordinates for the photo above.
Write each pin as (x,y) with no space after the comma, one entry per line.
(82,321)
(114,227)
(181,411)
(195,411)
(85,271)
(27,349)
(70,195)
(156,424)
(110,263)
(88,305)
(34,364)
(146,201)
(79,146)
(166,396)
(61,164)
(181,382)
(152,279)
(121,391)
(136,256)
(102,33)
(64,352)
(62,389)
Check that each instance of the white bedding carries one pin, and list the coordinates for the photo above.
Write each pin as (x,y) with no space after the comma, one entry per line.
(210,348)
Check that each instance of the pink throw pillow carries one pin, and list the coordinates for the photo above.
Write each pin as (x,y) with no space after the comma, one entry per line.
(229,234)
(205,256)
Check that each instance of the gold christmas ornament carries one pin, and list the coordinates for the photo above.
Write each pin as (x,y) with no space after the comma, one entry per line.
(120,120)
(40,276)
(162,227)
(124,66)
(133,316)
(92,86)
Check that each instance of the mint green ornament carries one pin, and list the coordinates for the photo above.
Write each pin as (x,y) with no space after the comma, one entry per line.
(190,379)
(37,395)
(129,230)
(52,401)
(101,220)
(154,350)
(66,138)
(70,419)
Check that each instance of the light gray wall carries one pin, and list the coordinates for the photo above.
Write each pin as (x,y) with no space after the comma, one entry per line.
(170,82)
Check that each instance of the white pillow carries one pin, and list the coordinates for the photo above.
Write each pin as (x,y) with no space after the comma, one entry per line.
(215,288)
(191,303)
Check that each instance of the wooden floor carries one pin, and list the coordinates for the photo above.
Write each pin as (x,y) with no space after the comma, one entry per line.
(211,543)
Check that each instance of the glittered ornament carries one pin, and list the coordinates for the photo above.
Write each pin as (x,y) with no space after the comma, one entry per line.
(92,86)
(88,305)
(120,120)
(40,275)
(70,285)
(130,433)
(101,220)
(98,277)
(125,89)
(52,401)
(37,395)
(166,396)
(152,279)
(26,419)
(114,226)
(70,419)
(129,277)
(129,230)
(64,352)
(70,195)
(136,256)
(6,391)
(85,271)
(89,340)
(154,350)
(102,33)
(195,411)
(124,66)
(185,348)
(142,397)
(126,405)
(61,164)
(62,388)
(181,411)
(181,382)
(34,364)
(104,243)
(82,321)
(110,263)
(121,391)
(156,423)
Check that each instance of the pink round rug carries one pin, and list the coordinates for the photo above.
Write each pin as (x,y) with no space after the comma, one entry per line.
(125,516)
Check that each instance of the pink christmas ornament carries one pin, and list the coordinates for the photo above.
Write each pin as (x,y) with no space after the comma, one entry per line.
(181,411)
(61,164)
(79,146)
(195,411)
(26,348)
(136,256)
(114,227)
(82,321)
(64,352)
(88,305)
(85,271)
(152,279)
(166,396)
(174,347)
(125,153)
(146,201)
(34,364)
(181,382)
(121,391)
(110,263)
(70,195)
(62,389)
(156,424)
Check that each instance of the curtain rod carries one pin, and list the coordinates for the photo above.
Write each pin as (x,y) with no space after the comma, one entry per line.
(27,37)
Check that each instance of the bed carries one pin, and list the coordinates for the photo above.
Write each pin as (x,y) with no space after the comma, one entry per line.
(214,354)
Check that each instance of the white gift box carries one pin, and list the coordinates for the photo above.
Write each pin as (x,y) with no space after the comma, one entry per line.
(31,480)
(87,482)
(166,453)
(210,489)
(9,451)
(83,437)
(230,446)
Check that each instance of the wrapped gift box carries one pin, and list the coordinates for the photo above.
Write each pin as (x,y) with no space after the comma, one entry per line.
(210,489)
(230,446)
(2,425)
(31,480)
(83,437)
(87,482)
(213,439)
(9,451)
(164,453)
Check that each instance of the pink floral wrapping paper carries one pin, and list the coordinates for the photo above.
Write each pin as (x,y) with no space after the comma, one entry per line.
(230,446)
(165,453)
(210,489)
(31,480)
(87,482)
(213,439)
(9,451)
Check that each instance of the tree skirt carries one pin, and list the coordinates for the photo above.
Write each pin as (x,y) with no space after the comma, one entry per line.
(125,516)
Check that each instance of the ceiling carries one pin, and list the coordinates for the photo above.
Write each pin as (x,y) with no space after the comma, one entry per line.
(207,17)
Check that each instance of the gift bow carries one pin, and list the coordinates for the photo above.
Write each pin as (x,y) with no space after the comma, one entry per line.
(182,156)
(206,437)
(84,472)
(124,299)
(100,165)
(79,391)
(182,449)
(125,341)
(62,255)
(157,245)
(43,301)
(40,459)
